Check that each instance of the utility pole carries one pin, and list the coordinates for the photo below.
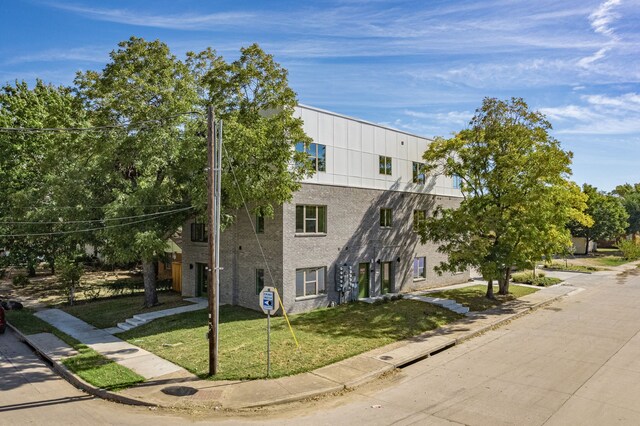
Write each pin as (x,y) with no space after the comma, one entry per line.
(212,276)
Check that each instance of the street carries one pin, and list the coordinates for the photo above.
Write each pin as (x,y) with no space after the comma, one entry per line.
(576,361)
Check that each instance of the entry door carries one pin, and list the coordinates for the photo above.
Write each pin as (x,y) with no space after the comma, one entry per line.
(363,280)
(387,276)
(202,279)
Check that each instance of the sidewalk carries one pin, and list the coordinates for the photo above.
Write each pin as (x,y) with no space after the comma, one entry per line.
(144,363)
(171,386)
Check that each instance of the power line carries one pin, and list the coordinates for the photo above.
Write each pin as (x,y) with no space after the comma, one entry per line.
(93,220)
(93,128)
(44,234)
(95,207)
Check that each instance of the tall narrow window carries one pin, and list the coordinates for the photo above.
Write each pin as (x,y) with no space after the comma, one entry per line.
(385,218)
(199,232)
(418,173)
(259,280)
(385,165)
(419,268)
(311,219)
(317,154)
(259,223)
(419,219)
(310,282)
(457,182)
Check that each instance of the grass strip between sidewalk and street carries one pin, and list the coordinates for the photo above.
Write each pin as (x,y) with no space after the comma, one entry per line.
(88,364)
(474,298)
(325,335)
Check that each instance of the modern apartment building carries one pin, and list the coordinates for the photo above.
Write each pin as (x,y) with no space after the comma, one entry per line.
(349,232)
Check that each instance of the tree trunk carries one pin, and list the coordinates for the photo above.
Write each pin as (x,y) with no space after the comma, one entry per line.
(503,282)
(72,293)
(52,266)
(586,246)
(149,275)
(31,269)
(489,294)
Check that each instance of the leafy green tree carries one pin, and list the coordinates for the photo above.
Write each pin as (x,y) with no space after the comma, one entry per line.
(70,273)
(33,165)
(516,196)
(608,214)
(630,197)
(159,159)
(145,93)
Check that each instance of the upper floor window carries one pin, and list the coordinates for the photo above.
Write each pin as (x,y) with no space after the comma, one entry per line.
(317,154)
(259,224)
(385,218)
(310,282)
(418,173)
(457,182)
(419,219)
(199,232)
(311,219)
(385,165)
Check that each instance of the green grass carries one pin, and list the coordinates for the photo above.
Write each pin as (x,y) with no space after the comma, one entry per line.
(88,364)
(556,266)
(325,335)
(474,296)
(612,260)
(104,313)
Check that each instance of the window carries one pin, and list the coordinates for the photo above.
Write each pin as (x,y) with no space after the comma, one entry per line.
(311,219)
(457,181)
(259,224)
(418,173)
(199,232)
(419,268)
(385,165)
(259,280)
(385,218)
(310,282)
(419,219)
(317,154)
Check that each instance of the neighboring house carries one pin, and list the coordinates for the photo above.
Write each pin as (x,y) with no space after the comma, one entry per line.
(358,211)
(580,245)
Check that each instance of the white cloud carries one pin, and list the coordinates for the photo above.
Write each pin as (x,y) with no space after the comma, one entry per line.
(80,54)
(185,21)
(599,115)
(602,18)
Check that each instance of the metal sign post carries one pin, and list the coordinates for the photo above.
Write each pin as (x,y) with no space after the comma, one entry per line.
(269,303)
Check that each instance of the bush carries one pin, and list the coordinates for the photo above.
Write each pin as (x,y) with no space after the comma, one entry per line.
(545,281)
(630,249)
(20,280)
(526,277)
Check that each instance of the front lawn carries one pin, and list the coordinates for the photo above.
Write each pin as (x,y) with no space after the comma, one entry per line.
(104,313)
(325,335)
(557,266)
(88,364)
(474,296)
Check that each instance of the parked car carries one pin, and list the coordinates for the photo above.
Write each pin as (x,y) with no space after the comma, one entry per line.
(3,321)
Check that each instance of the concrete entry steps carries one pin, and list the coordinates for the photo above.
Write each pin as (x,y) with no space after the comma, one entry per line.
(449,304)
(139,319)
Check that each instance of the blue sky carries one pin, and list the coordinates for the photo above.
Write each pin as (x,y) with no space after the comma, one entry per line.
(420,66)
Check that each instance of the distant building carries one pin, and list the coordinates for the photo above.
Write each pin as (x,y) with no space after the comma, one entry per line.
(357,213)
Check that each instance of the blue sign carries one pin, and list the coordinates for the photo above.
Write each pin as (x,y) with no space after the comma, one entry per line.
(267,301)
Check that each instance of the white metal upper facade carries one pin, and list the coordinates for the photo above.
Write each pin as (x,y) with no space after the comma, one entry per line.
(353,150)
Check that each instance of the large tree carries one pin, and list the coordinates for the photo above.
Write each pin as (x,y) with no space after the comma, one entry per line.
(35,161)
(630,197)
(156,162)
(516,196)
(608,214)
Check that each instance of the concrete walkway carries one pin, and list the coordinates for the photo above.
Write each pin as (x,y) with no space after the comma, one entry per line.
(144,363)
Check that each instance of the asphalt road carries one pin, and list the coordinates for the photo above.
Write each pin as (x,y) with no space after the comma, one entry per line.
(576,361)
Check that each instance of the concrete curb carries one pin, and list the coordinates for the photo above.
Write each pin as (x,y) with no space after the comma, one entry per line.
(401,360)
(77,381)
